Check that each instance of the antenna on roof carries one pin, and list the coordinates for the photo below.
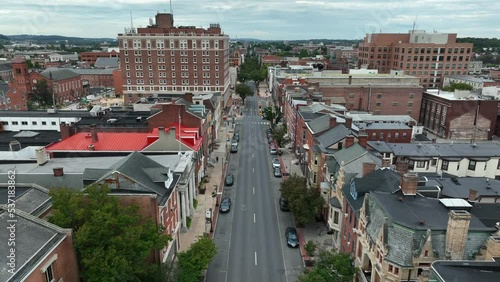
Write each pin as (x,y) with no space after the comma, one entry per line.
(414,24)
(171,11)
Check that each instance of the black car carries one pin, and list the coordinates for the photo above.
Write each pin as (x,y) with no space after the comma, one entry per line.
(225,205)
(284,205)
(229,180)
(292,239)
(234,148)
(277,172)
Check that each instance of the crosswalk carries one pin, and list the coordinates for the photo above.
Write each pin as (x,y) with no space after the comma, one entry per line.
(252,122)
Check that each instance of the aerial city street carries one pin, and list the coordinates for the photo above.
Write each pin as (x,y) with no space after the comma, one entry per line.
(250,141)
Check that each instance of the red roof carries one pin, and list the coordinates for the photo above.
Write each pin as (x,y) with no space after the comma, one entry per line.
(187,135)
(107,141)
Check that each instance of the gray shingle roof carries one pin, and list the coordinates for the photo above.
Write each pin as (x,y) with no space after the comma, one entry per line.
(405,234)
(107,62)
(333,136)
(439,150)
(35,238)
(319,124)
(6,67)
(58,74)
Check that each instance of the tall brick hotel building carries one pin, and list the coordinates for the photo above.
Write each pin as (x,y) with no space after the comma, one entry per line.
(162,59)
(429,56)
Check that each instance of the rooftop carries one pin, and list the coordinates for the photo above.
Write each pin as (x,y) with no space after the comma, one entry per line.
(32,199)
(107,141)
(44,113)
(41,138)
(482,151)
(59,73)
(466,271)
(454,96)
(470,78)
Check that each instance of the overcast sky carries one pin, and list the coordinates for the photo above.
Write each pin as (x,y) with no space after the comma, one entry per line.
(262,19)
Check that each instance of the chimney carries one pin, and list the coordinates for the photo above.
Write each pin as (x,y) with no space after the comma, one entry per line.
(58,171)
(368,168)
(363,140)
(188,97)
(350,79)
(333,121)
(401,167)
(65,130)
(41,156)
(472,195)
(91,147)
(348,122)
(309,101)
(456,234)
(328,102)
(409,183)
(349,141)
(93,133)
(386,163)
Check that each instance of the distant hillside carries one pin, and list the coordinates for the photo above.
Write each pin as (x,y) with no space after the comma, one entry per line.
(55,38)
(4,38)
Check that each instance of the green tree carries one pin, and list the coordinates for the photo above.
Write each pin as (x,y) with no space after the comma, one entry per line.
(111,240)
(244,91)
(273,115)
(303,53)
(195,260)
(304,202)
(41,94)
(29,63)
(457,86)
(331,266)
(280,136)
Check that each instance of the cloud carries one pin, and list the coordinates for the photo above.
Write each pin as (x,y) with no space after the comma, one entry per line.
(265,19)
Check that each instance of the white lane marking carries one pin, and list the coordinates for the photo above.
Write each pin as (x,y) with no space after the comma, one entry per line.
(253,218)
(253,170)
(253,156)
(253,190)
(255,258)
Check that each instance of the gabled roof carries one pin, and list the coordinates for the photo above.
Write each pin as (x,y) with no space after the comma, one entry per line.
(148,174)
(58,74)
(30,198)
(319,124)
(107,141)
(35,239)
(443,150)
(197,110)
(332,136)
(187,135)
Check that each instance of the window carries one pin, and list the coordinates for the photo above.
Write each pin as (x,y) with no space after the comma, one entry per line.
(314,177)
(15,123)
(420,164)
(24,123)
(33,122)
(379,96)
(472,165)
(390,268)
(49,274)
(444,165)
(498,165)
(426,253)
(336,217)
(44,123)
(396,270)
(434,162)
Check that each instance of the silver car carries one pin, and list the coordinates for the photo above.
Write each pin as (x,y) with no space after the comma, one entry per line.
(276,163)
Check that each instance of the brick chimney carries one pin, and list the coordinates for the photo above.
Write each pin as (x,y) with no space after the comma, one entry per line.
(58,171)
(368,168)
(363,140)
(349,141)
(65,130)
(309,101)
(328,102)
(456,234)
(409,183)
(350,79)
(93,133)
(333,121)
(188,97)
(401,167)
(348,122)
(472,195)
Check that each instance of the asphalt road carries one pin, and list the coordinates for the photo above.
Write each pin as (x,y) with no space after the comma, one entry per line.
(250,238)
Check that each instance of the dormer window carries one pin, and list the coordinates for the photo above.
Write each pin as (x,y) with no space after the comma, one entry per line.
(353,192)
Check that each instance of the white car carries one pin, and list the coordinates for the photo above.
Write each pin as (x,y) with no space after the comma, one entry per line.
(276,163)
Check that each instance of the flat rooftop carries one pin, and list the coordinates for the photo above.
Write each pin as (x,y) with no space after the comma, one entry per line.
(467,271)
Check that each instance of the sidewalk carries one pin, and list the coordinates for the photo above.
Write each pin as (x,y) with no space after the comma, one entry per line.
(206,201)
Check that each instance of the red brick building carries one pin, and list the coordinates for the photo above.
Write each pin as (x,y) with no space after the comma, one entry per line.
(16,96)
(97,77)
(458,115)
(164,59)
(271,60)
(417,53)
(118,82)
(91,57)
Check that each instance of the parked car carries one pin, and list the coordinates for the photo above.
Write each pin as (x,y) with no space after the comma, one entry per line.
(273,151)
(229,180)
(277,172)
(234,149)
(234,143)
(225,205)
(236,137)
(292,239)
(276,163)
(284,205)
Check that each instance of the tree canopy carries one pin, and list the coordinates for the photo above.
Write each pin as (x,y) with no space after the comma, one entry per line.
(112,241)
(252,70)
(243,91)
(273,115)
(304,202)
(330,266)
(457,86)
(193,261)
(280,136)
(41,94)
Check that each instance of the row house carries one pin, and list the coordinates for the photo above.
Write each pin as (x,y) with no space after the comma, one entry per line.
(57,57)
(271,60)
(6,71)
(342,166)
(400,234)
(97,78)
(462,160)
(459,115)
